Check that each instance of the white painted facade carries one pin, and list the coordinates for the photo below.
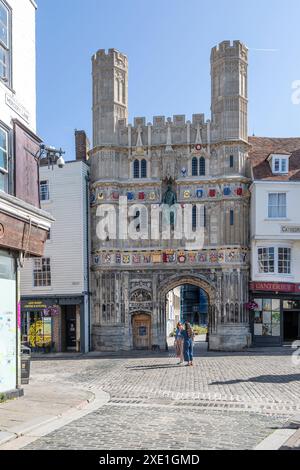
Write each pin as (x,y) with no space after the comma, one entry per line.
(67,247)
(21,93)
(68,244)
(275,232)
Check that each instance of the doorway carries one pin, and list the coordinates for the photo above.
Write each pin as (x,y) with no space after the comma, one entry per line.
(141,326)
(291,325)
(71,328)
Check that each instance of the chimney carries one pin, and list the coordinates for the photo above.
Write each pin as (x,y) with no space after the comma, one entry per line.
(82,145)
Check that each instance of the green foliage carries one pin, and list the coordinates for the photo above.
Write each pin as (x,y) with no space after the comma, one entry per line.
(198,330)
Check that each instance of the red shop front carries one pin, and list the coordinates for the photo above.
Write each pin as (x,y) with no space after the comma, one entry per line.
(275,315)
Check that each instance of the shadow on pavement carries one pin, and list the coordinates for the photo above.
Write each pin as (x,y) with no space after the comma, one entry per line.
(263,379)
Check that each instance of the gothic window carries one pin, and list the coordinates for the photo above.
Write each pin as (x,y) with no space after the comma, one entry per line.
(231,161)
(144,169)
(136,169)
(194,218)
(195,166)
(202,166)
(203,217)
(237,313)
(232,313)
(231,217)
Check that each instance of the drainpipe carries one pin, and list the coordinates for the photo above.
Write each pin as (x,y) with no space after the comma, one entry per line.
(87,180)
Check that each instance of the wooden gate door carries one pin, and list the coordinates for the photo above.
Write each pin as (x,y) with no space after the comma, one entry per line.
(141,331)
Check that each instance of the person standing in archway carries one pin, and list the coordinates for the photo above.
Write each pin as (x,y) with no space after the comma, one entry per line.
(189,336)
(179,342)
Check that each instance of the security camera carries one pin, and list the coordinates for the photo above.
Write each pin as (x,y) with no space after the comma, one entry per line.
(61,162)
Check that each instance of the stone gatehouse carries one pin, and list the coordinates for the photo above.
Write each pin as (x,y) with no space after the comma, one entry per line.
(197,162)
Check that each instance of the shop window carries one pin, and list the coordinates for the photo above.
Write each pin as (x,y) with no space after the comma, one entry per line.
(291,305)
(37,330)
(267,317)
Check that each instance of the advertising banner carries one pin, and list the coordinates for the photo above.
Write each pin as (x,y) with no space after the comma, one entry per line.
(8,333)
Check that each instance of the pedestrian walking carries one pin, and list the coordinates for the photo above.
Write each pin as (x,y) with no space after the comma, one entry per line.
(188,334)
(179,342)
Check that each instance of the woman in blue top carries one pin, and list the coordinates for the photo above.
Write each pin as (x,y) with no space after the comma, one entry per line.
(188,335)
(179,341)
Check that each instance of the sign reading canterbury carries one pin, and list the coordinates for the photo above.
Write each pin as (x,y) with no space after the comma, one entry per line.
(290,228)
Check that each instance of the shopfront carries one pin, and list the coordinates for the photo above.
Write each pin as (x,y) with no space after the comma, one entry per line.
(53,324)
(275,317)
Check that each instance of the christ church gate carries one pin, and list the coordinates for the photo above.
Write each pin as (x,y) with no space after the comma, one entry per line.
(148,178)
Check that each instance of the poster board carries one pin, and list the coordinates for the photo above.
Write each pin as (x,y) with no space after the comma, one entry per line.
(8,335)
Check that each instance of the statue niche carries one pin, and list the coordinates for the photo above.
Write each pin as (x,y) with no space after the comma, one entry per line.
(141,296)
(169,199)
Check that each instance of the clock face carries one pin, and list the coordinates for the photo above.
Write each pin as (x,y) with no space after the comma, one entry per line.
(198,147)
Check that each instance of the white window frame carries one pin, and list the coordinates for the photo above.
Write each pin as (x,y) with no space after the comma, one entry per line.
(48,190)
(276,249)
(277,159)
(5,170)
(277,217)
(5,150)
(43,280)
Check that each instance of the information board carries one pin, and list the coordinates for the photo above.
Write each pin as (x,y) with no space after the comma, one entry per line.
(8,333)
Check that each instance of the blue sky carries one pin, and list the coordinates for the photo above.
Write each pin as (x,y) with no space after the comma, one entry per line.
(168,45)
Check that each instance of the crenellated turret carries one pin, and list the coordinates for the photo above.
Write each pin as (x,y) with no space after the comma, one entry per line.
(229,72)
(110,95)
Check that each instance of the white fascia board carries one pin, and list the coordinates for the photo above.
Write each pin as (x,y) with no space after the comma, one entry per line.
(15,208)
(261,182)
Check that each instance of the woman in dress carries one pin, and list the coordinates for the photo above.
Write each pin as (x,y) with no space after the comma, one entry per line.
(179,342)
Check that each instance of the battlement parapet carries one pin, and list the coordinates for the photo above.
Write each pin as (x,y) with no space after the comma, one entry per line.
(229,49)
(112,57)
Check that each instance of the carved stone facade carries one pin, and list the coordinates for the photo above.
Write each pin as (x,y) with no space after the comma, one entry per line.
(205,162)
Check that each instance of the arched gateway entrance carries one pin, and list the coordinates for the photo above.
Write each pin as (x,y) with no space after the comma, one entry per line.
(179,281)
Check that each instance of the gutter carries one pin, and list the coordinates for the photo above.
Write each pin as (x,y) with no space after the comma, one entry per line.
(14,207)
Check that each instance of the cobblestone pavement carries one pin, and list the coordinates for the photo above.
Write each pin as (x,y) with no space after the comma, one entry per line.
(226,401)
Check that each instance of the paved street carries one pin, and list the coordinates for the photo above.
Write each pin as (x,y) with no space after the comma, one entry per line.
(226,401)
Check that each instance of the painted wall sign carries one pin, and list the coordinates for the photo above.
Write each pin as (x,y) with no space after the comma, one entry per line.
(34,305)
(17,107)
(290,228)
